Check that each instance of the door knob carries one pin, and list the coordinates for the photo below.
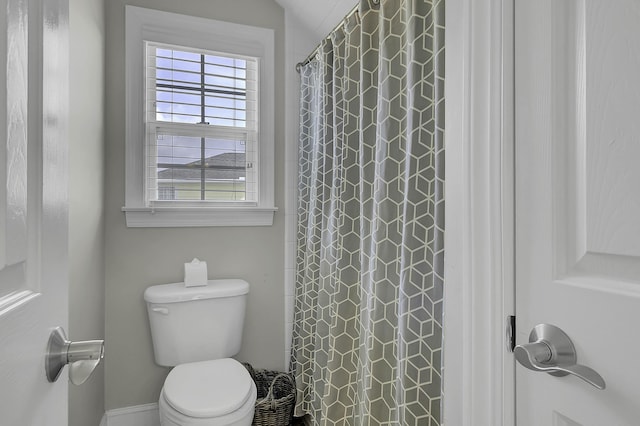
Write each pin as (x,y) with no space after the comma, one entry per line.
(550,350)
(83,357)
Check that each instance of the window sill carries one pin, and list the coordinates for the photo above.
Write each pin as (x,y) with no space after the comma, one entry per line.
(177,217)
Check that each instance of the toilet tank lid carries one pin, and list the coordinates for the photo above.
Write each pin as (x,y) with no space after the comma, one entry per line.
(177,292)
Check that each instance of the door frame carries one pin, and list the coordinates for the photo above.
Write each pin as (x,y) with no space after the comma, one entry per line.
(479,294)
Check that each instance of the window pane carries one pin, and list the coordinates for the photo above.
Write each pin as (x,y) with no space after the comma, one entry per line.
(191,113)
(230,113)
(167,193)
(194,168)
(198,88)
(216,121)
(182,150)
(178,78)
(168,96)
(185,55)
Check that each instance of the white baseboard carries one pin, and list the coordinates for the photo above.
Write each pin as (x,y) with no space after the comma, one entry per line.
(103,421)
(139,415)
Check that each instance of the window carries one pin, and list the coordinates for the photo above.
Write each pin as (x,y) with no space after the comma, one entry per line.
(199,121)
(166,193)
(201,124)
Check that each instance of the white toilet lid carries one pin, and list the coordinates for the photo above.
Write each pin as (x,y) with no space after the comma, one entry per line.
(208,388)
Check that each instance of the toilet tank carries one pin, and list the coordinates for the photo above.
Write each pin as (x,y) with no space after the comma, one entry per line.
(190,324)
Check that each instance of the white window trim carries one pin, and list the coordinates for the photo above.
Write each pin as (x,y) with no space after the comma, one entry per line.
(208,34)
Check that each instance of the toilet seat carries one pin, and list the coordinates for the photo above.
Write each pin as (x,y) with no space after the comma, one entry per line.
(216,392)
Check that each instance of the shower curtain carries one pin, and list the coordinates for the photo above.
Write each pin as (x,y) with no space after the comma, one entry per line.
(367,338)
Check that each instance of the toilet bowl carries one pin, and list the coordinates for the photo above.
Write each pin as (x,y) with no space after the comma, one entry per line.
(208,393)
(196,330)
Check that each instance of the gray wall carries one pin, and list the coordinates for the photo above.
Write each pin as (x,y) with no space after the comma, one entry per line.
(86,198)
(137,258)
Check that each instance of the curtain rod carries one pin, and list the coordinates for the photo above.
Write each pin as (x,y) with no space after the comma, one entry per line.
(309,58)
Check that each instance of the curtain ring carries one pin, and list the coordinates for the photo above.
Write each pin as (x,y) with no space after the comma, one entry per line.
(375,2)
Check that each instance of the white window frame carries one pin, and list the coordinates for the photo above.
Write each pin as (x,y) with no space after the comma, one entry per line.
(144,25)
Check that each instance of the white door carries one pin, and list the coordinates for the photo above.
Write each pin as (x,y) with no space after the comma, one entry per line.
(578,204)
(33,207)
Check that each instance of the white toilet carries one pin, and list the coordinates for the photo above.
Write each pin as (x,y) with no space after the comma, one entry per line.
(197,329)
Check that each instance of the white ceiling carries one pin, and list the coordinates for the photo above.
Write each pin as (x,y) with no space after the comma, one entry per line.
(319,16)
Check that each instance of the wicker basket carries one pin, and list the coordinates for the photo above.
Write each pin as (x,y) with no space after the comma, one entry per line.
(276,397)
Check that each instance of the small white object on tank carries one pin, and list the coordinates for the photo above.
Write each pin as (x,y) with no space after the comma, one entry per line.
(195,273)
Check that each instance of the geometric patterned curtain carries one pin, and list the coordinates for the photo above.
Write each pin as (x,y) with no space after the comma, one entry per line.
(367,338)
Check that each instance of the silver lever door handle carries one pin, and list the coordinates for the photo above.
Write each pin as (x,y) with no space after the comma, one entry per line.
(83,357)
(550,350)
